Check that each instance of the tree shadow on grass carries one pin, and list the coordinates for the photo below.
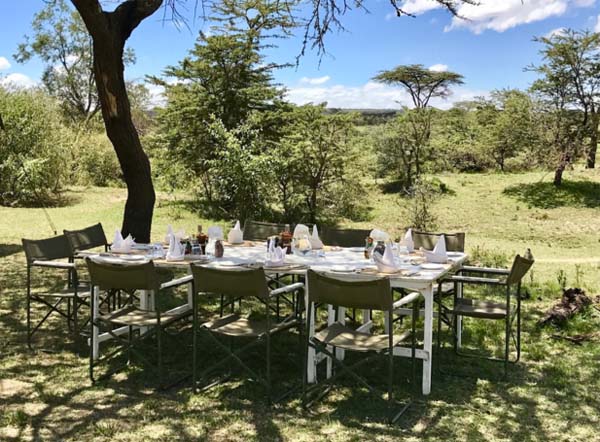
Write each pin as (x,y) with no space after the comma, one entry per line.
(9,249)
(545,195)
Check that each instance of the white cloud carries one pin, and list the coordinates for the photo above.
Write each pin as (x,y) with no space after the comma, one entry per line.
(597,27)
(554,32)
(18,81)
(315,81)
(499,15)
(438,67)
(157,95)
(370,95)
(417,7)
(4,64)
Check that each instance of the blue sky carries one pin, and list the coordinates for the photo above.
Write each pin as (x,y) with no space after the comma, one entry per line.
(490,50)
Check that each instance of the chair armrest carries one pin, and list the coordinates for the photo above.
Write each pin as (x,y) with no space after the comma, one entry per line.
(488,270)
(475,280)
(411,297)
(287,289)
(177,282)
(55,265)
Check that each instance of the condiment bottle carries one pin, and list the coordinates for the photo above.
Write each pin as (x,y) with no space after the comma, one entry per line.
(219,249)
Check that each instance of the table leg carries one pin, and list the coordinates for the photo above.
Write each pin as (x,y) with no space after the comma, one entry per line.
(95,330)
(330,321)
(311,366)
(427,339)
(459,319)
(144,305)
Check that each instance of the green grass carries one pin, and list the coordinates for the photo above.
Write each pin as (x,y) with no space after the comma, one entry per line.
(552,395)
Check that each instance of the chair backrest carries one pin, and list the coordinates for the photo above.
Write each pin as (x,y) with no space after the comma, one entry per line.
(47,249)
(260,231)
(122,276)
(519,269)
(233,282)
(87,238)
(372,293)
(455,242)
(344,237)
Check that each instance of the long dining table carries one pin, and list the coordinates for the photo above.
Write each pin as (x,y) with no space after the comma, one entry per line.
(414,275)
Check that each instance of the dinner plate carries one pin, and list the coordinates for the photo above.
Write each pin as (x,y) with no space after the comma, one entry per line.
(343,269)
(431,266)
(355,249)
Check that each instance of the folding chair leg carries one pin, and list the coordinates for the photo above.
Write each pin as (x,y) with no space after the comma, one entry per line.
(28,319)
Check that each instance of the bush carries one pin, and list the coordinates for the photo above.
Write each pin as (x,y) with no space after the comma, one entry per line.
(94,160)
(33,161)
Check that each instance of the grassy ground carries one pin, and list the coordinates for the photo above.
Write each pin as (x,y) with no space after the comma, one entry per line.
(552,395)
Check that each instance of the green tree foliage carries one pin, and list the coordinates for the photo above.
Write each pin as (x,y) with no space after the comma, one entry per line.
(318,173)
(573,57)
(457,136)
(412,142)
(59,38)
(33,164)
(510,123)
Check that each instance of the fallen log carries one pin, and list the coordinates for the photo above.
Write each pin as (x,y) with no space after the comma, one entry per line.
(573,301)
(578,339)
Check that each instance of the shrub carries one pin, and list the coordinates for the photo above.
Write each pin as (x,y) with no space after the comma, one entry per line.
(33,160)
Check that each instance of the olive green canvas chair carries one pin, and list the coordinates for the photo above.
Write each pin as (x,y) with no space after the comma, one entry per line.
(507,309)
(53,254)
(260,231)
(372,294)
(344,237)
(455,242)
(239,284)
(140,323)
(88,238)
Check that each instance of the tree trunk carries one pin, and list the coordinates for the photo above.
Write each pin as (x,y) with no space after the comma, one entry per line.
(110,31)
(558,173)
(593,147)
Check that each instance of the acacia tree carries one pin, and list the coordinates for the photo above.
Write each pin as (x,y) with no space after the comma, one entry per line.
(422,84)
(111,29)
(560,123)
(577,55)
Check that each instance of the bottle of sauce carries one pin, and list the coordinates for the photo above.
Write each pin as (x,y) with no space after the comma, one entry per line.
(286,239)
(202,238)
(219,249)
(368,247)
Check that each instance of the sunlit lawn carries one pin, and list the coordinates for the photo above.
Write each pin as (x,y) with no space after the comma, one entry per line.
(552,395)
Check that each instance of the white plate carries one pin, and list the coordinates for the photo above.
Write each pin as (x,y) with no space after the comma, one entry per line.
(431,266)
(343,269)
(355,249)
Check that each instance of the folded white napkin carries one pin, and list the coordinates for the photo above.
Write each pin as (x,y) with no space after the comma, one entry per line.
(121,245)
(176,250)
(301,231)
(215,232)
(170,232)
(315,241)
(235,236)
(439,254)
(275,255)
(379,235)
(408,242)
(386,263)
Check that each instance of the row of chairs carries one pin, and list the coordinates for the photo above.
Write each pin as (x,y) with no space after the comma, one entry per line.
(46,253)
(241,284)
